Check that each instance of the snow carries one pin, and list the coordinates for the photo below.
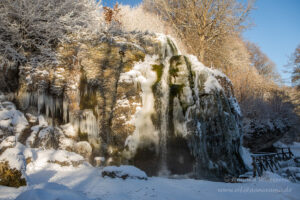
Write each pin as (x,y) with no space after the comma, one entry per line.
(69,130)
(45,132)
(50,181)
(211,82)
(47,158)
(51,191)
(31,138)
(42,121)
(83,147)
(10,141)
(246,156)
(10,193)
(14,157)
(123,102)
(235,105)
(66,143)
(12,119)
(295,147)
(31,118)
(87,183)
(40,158)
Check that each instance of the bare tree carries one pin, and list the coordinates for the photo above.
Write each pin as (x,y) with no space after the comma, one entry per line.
(295,63)
(262,62)
(202,24)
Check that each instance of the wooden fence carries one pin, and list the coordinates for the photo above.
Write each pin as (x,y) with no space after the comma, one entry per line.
(269,161)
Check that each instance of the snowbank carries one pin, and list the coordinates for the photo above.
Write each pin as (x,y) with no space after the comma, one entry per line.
(51,191)
(12,119)
(246,156)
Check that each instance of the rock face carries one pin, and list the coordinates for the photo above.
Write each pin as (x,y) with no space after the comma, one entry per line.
(135,100)
(260,135)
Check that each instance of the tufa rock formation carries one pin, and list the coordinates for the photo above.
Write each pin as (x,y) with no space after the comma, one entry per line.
(131,99)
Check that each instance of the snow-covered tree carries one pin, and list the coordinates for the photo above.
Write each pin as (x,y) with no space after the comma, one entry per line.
(31,29)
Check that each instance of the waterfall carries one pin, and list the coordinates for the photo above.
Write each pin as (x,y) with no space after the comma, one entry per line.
(145,132)
(164,122)
(168,50)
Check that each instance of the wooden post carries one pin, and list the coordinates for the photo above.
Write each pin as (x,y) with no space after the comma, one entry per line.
(282,153)
(290,152)
(254,166)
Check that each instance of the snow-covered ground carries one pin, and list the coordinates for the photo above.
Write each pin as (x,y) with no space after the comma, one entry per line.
(295,147)
(50,181)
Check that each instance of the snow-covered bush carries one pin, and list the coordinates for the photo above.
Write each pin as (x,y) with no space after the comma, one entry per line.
(124,172)
(30,29)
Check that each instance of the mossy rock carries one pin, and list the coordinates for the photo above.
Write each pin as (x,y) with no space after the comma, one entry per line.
(83,136)
(10,177)
(159,72)
(175,90)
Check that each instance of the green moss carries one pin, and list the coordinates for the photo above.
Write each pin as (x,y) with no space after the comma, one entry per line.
(191,73)
(175,61)
(173,71)
(88,99)
(140,56)
(132,56)
(202,80)
(159,72)
(175,90)
(83,136)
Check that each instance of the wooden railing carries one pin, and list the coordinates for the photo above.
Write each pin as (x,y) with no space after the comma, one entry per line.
(269,161)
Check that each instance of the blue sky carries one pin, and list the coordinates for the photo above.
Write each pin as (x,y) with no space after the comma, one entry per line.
(110,3)
(276,29)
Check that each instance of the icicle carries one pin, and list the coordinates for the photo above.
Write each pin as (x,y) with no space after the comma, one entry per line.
(87,123)
(41,103)
(24,99)
(65,110)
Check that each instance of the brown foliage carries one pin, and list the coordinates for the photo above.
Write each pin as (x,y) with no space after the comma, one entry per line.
(296,67)
(202,25)
(112,14)
(261,62)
